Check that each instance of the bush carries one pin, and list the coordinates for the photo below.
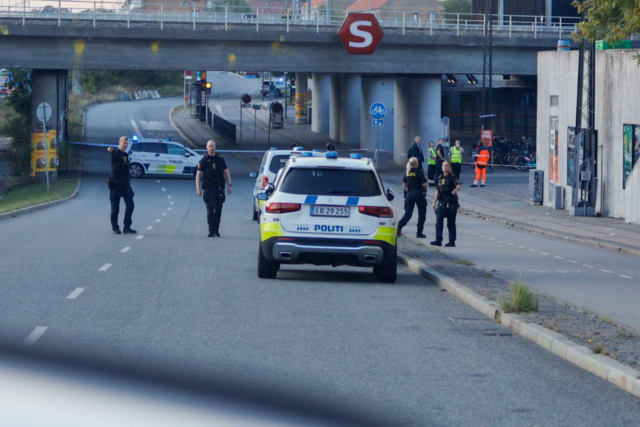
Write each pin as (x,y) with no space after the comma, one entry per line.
(520,300)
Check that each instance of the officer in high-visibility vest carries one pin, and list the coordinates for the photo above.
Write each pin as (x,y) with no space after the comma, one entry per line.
(431,170)
(482,160)
(456,159)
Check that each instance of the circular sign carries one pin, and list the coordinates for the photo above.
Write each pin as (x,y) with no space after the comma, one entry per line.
(43,112)
(378,110)
(246,98)
(276,107)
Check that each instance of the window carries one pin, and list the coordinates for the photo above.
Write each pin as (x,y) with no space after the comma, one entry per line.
(278,161)
(554,101)
(152,147)
(175,150)
(135,147)
(331,182)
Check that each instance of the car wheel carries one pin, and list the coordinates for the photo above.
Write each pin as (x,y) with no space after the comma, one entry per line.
(255,214)
(266,268)
(388,273)
(136,170)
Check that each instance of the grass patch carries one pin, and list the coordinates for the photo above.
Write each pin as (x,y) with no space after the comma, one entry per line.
(520,300)
(462,262)
(601,349)
(25,195)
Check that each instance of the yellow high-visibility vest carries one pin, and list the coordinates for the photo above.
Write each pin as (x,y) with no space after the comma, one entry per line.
(456,155)
(432,152)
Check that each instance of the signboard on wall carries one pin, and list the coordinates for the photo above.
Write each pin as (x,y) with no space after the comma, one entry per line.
(627,153)
(553,154)
(487,137)
(571,147)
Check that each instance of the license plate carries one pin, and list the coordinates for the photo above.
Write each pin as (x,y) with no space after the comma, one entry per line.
(329,211)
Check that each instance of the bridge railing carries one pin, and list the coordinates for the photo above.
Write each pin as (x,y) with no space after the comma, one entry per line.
(183,15)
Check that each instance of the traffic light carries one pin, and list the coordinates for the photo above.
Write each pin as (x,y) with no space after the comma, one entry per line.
(206,86)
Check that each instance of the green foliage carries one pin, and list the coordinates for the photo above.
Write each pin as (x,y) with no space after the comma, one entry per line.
(457,6)
(520,299)
(17,126)
(235,6)
(20,86)
(96,81)
(613,20)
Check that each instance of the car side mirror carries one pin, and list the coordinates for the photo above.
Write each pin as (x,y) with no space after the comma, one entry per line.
(253,175)
(269,189)
(262,196)
(390,194)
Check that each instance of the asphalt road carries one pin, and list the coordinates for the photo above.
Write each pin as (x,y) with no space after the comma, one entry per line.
(407,353)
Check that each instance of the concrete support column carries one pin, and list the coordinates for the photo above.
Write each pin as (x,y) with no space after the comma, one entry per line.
(302,110)
(320,88)
(350,94)
(402,138)
(49,89)
(426,106)
(334,108)
(377,89)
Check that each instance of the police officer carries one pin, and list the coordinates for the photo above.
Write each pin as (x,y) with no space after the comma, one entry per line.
(456,159)
(445,204)
(120,187)
(415,185)
(213,170)
(431,170)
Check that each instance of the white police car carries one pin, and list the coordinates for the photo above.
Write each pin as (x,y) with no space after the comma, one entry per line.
(328,211)
(161,157)
(272,162)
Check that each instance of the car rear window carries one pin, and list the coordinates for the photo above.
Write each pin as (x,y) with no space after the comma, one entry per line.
(278,161)
(331,182)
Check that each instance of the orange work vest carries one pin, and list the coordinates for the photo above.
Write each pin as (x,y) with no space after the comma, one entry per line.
(483,158)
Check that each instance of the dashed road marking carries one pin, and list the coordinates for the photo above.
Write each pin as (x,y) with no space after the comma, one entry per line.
(169,209)
(544,253)
(168,197)
(170,202)
(125,249)
(465,231)
(607,271)
(511,244)
(521,247)
(588,266)
(558,257)
(163,189)
(140,237)
(157,180)
(164,214)
(35,335)
(500,241)
(484,237)
(626,277)
(74,294)
(491,238)
(158,220)
(573,262)
(105,267)
(533,250)
(150,227)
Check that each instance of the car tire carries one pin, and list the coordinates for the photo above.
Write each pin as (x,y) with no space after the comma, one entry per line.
(389,272)
(266,269)
(255,214)
(136,170)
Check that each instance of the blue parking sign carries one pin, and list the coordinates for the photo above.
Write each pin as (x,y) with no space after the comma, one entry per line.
(378,110)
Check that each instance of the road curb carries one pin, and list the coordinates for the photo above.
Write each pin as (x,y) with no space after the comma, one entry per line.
(604,367)
(179,129)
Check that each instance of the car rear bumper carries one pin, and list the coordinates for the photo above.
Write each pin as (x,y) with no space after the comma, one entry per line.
(324,251)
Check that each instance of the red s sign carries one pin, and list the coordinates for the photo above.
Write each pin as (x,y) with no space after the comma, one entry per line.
(360,33)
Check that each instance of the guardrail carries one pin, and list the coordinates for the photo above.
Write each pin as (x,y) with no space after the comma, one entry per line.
(137,14)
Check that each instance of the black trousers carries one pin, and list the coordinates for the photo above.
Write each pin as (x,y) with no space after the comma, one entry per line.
(431,172)
(415,197)
(456,168)
(125,192)
(450,213)
(213,200)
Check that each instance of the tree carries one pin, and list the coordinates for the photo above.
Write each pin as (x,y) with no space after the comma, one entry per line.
(613,20)
(457,6)
(18,127)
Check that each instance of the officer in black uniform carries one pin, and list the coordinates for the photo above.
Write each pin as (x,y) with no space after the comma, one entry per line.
(446,205)
(119,186)
(415,185)
(213,170)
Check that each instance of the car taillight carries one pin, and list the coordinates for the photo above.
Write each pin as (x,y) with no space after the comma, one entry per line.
(381,212)
(281,208)
(265,181)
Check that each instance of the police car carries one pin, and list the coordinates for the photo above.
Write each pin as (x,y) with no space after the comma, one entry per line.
(272,162)
(328,211)
(161,157)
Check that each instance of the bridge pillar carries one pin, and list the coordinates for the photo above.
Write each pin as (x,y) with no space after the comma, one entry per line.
(426,106)
(48,88)
(334,108)
(350,94)
(377,89)
(402,138)
(302,110)
(321,88)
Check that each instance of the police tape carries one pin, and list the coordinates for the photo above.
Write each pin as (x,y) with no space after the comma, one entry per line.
(97,144)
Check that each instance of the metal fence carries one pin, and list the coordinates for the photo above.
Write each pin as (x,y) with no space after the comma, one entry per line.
(224,128)
(229,18)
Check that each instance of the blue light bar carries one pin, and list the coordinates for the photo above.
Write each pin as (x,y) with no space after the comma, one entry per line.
(299,148)
(273,148)
(134,138)
(332,154)
(315,150)
(307,154)
(356,156)
(168,139)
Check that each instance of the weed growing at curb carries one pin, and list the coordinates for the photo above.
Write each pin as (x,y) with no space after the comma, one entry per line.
(462,262)
(520,299)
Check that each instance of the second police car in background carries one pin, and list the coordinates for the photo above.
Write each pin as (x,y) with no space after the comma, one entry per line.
(161,157)
(328,211)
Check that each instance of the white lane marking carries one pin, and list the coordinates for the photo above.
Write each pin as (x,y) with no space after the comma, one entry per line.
(626,277)
(484,237)
(573,262)
(168,209)
(105,267)
(170,202)
(136,128)
(150,227)
(465,231)
(521,247)
(490,238)
(35,335)
(533,250)
(607,271)
(164,214)
(588,266)
(163,189)
(140,237)
(157,180)
(168,197)
(74,294)
(158,220)
(510,244)
(558,257)
(125,249)
(544,253)
(500,241)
